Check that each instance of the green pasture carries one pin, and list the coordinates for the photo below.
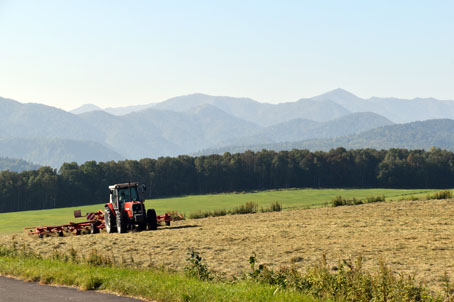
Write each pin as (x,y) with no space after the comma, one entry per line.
(289,198)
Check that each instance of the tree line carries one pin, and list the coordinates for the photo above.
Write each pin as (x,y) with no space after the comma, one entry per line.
(74,185)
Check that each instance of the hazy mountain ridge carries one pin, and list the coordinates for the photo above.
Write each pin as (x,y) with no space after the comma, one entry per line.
(153,133)
(301,129)
(55,151)
(196,127)
(325,107)
(128,137)
(35,120)
(263,114)
(395,109)
(16,165)
(418,109)
(416,135)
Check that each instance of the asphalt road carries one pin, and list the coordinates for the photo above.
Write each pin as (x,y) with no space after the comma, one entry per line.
(12,290)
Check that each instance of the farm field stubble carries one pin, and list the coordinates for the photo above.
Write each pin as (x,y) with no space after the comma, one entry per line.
(289,198)
(409,236)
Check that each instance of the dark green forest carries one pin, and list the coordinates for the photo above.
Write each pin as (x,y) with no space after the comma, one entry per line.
(74,184)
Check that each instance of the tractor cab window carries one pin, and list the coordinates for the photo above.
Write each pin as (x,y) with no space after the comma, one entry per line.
(128,194)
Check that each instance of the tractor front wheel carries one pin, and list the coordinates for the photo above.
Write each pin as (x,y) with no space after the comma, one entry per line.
(109,221)
(122,222)
(152,221)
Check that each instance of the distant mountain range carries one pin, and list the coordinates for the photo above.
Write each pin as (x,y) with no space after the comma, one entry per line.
(325,107)
(188,124)
(415,135)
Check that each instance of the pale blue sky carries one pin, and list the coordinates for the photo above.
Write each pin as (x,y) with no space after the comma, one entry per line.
(116,53)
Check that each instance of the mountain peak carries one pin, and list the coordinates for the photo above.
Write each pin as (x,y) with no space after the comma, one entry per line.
(345,99)
(338,93)
(85,108)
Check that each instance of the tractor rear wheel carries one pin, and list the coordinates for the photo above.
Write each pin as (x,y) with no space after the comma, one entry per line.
(109,221)
(152,222)
(122,222)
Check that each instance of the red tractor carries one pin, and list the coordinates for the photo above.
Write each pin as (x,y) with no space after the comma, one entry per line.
(126,209)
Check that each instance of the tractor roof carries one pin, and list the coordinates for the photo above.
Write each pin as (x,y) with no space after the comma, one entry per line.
(124,185)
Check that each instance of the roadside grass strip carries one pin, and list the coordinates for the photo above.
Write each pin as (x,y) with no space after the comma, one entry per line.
(149,284)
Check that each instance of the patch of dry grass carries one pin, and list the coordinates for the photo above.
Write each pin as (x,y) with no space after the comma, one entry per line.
(410,236)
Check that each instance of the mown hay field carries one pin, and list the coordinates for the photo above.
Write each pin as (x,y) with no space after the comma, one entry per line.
(410,236)
(289,198)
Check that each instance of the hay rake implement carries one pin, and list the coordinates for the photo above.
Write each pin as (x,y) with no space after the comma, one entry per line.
(125,211)
(94,223)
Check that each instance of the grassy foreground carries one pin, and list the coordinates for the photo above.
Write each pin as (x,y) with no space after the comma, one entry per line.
(348,282)
(148,284)
(289,198)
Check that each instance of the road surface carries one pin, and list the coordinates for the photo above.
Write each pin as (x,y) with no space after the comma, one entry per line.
(12,290)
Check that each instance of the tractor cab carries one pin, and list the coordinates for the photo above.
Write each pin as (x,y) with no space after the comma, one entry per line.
(121,194)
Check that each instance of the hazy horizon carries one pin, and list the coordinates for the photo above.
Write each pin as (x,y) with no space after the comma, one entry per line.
(195,93)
